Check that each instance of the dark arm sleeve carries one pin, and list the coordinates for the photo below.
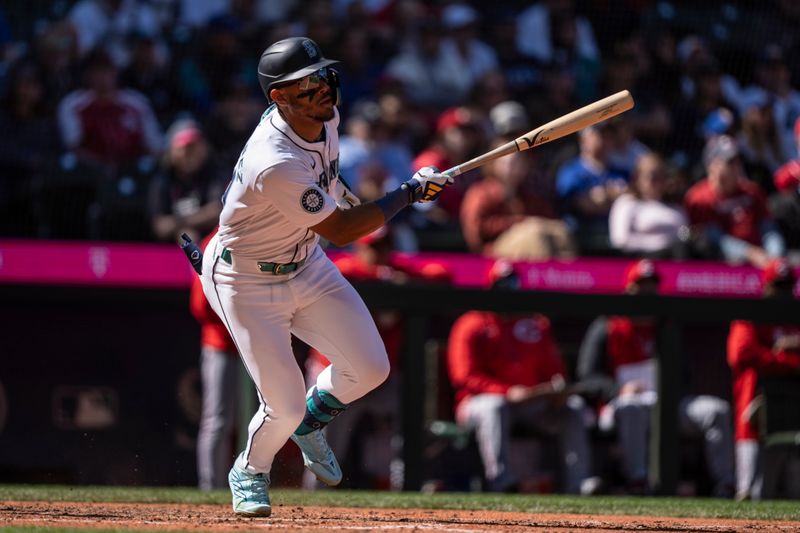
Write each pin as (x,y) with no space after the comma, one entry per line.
(592,369)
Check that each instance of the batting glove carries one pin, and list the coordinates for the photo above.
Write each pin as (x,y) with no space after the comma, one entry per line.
(427,184)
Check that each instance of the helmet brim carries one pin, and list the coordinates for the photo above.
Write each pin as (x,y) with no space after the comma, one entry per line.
(303,72)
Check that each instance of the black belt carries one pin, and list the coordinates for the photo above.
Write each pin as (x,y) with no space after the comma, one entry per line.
(271,268)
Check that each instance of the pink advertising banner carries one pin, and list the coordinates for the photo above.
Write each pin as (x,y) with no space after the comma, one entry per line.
(101,263)
(592,275)
(163,265)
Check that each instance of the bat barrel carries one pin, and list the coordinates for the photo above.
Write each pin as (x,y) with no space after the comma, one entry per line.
(593,113)
(579,119)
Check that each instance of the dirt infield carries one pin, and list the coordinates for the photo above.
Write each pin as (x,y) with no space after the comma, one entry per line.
(295,518)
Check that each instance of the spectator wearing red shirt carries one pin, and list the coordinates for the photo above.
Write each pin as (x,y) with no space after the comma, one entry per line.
(106,124)
(373,260)
(785,205)
(616,368)
(503,216)
(728,212)
(219,373)
(756,350)
(507,370)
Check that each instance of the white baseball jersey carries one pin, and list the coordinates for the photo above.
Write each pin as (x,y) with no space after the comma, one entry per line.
(280,187)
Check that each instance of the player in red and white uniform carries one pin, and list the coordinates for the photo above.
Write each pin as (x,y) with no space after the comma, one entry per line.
(506,369)
(755,350)
(616,367)
(267,278)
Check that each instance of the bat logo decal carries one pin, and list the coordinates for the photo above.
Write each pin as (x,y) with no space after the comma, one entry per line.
(532,140)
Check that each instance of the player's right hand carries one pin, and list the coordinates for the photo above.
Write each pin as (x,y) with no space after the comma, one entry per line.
(431,184)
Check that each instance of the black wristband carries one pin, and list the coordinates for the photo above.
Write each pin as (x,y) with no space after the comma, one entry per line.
(395,201)
(414,188)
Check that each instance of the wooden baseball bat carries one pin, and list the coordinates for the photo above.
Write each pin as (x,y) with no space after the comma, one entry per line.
(593,113)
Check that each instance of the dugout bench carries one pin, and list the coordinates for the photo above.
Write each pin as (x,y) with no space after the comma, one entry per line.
(106,321)
(673,313)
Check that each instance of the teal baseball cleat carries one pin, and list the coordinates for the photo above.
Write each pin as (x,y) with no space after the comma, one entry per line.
(250,492)
(318,457)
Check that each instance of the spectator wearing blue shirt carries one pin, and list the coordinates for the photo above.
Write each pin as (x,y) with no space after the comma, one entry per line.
(368,143)
(372,161)
(587,186)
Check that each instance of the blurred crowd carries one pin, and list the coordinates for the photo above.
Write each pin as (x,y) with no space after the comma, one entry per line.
(122,119)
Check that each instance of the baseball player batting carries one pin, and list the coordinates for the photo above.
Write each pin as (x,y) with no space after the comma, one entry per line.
(266,276)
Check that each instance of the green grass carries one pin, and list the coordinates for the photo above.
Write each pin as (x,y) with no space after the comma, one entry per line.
(676,507)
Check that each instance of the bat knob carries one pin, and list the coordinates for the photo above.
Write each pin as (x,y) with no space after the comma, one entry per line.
(193,253)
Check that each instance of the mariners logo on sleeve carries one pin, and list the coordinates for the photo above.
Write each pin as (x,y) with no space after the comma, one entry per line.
(312,200)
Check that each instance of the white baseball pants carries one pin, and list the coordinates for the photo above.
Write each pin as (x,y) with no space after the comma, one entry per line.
(699,416)
(316,304)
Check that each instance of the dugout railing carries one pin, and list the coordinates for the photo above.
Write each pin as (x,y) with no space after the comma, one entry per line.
(420,303)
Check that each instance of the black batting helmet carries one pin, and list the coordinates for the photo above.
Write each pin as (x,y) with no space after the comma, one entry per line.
(292,59)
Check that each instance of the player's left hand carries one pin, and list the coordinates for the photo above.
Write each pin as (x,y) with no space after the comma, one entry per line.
(431,184)
(345,199)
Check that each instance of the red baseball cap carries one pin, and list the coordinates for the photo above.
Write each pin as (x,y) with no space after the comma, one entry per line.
(788,176)
(454,117)
(643,269)
(186,136)
(778,271)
